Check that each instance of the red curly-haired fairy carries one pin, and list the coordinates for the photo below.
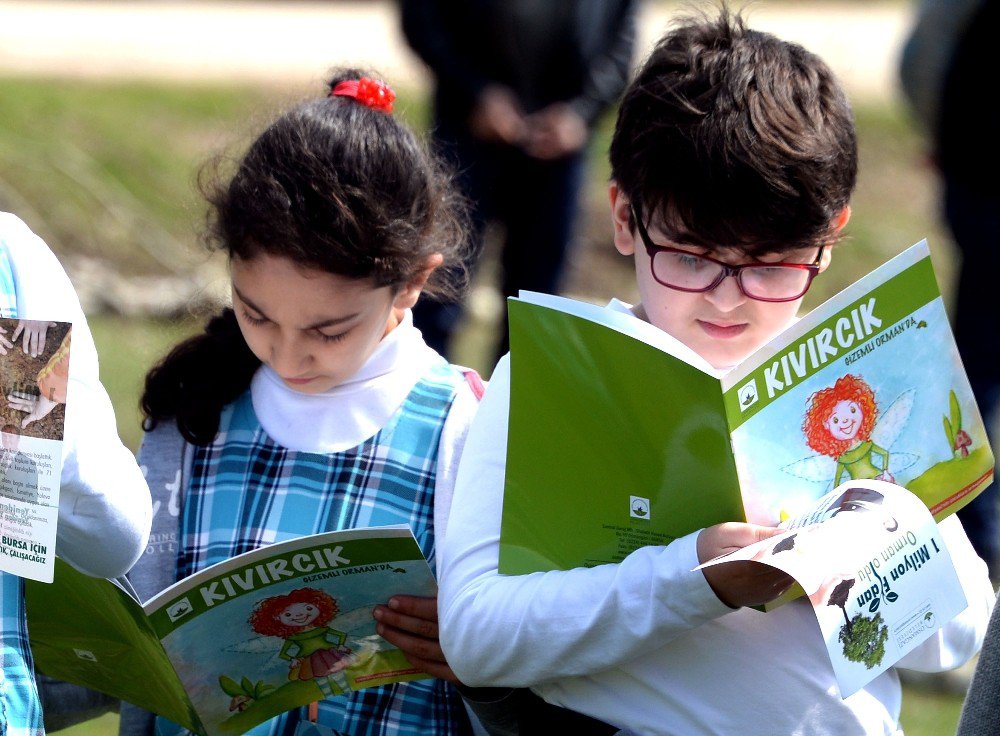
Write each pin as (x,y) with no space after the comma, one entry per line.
(314,650)
(839,422)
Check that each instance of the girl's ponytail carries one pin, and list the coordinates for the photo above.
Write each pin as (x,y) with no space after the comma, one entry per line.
(198,378)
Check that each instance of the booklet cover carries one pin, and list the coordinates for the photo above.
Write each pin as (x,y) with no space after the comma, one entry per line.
(878,575)
(241,641)
(31,455)
(620,436)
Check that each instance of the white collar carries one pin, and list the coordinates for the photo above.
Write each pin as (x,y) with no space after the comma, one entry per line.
(347,414)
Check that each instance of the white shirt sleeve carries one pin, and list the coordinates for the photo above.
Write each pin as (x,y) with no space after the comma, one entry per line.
(104,503)
(520,630)
(961,638)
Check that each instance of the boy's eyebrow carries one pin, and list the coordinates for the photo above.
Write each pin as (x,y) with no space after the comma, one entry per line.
(315,326)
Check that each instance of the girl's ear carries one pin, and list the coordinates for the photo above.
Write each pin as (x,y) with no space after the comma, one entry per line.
(621,219)
(408,295)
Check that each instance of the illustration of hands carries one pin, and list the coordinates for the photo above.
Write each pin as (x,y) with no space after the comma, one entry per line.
(32,333)
(35,406)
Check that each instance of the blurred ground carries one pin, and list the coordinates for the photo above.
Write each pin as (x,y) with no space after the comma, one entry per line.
(294,42)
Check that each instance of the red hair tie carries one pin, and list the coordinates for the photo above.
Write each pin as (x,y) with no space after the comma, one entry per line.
(369,92)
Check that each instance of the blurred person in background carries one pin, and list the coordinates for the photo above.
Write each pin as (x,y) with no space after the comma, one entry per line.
(947,66)
(520,85)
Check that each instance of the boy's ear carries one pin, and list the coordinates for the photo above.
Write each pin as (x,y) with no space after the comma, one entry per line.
(408,295)
(836,225)
(621,219)
(842,218)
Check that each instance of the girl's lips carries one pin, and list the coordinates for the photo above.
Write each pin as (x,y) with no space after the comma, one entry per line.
(722,332)
(298,381)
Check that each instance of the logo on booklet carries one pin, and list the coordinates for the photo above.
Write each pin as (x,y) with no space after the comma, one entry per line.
(638,507)
(179,609)
(748,394)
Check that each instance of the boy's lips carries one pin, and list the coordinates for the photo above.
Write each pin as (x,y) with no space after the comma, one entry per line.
(721,330)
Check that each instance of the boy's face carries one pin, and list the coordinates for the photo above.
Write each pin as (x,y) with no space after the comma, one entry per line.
(722,325)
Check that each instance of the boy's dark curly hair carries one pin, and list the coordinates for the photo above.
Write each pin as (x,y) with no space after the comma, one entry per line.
(733,137)
(332,185)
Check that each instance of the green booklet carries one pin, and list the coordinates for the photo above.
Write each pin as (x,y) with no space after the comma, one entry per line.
(620,436)
(241,641)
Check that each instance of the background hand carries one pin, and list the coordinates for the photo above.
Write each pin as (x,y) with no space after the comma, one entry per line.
(33,335)
(554,132)
(741,583)
(497,117)
(411,623)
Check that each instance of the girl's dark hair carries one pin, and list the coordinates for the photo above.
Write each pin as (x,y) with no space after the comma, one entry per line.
(332,185)
(733,137)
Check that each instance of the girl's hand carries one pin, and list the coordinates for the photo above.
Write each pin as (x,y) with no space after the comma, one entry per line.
(741,583)
(5,344)
(411,623)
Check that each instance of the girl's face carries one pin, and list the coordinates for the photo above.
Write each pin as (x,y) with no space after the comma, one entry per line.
(845,420)
(315,329)
(299,614)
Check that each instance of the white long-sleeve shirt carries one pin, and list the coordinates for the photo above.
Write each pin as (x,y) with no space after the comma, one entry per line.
(645,644)
(104,505)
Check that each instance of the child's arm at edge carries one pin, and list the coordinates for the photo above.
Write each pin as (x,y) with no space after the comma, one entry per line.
(104,507)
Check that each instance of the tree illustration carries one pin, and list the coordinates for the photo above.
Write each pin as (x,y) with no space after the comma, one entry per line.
(838,597)
(864,639)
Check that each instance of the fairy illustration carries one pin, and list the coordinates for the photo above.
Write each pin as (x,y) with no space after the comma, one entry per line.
(852,437)
(839,422)
(314,650)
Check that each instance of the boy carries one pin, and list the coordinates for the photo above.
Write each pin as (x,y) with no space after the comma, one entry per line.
(732,149)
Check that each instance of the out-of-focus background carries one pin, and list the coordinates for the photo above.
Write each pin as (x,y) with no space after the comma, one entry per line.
(109,109)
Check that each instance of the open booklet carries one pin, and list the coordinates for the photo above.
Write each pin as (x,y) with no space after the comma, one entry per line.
(34,391)
(241,641)
(620,436)
(871,559)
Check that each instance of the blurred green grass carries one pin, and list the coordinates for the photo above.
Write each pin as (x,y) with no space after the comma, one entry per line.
(108,171)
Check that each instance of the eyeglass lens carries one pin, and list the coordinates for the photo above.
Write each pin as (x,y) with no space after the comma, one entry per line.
(690,271)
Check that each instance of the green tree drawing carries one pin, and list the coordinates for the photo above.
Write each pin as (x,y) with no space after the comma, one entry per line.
(864,639)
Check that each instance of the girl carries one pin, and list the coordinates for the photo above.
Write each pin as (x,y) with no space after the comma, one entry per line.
(313,403)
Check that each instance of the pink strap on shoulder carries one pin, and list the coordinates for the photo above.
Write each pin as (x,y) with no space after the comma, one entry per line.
(475,382)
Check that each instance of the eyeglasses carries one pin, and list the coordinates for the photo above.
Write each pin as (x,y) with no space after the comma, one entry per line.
(765,282)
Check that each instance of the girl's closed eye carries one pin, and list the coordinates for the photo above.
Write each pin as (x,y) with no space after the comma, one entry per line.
(332,338)
(253,319)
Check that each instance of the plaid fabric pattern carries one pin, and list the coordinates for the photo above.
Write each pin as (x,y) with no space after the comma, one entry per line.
(246,492)
(20,710)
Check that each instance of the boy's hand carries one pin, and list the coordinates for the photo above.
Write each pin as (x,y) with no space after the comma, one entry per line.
(411,623)
(741,583)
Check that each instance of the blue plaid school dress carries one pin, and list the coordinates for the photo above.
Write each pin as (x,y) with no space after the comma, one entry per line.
(246,491)
(20,710)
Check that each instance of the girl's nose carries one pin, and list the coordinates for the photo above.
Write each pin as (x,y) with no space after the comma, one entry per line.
(288,358)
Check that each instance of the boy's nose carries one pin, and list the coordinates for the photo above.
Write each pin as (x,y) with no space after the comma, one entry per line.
(727,295)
